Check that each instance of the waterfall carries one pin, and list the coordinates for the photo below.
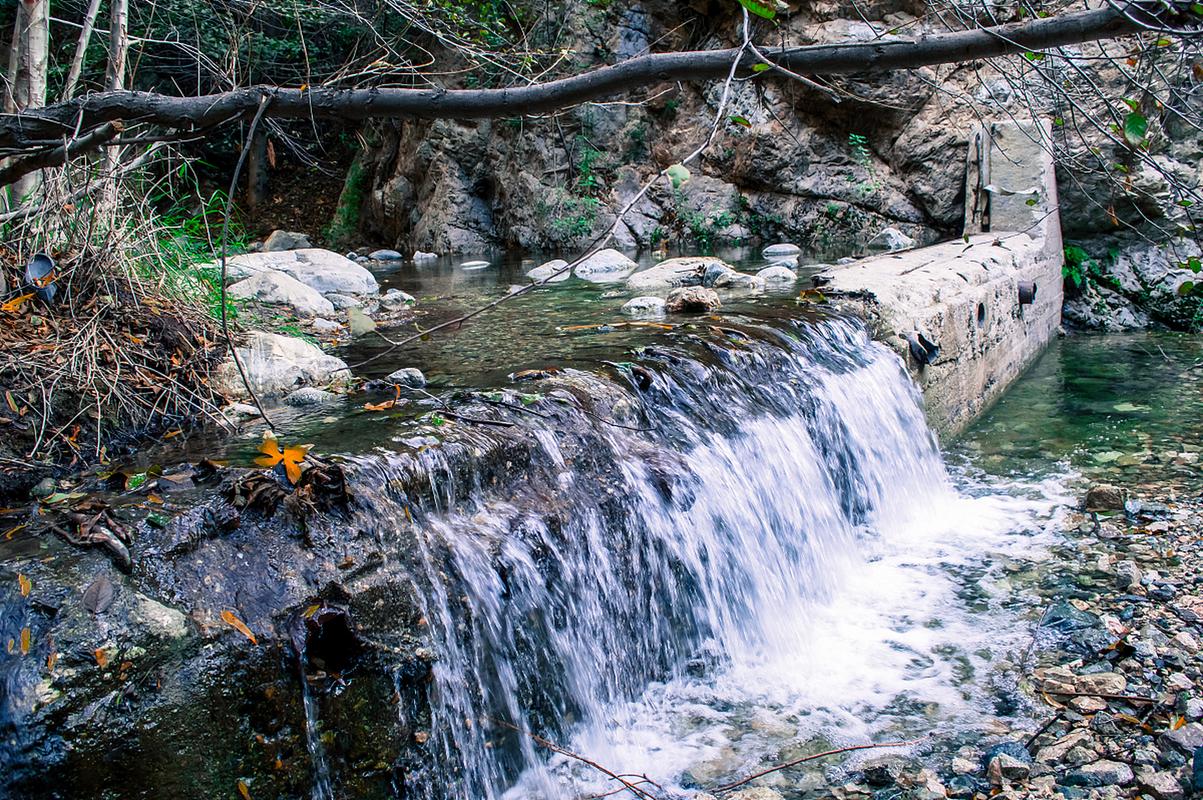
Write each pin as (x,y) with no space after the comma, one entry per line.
(686,532)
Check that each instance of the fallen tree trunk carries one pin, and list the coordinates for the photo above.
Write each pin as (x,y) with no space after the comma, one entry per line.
(34,128)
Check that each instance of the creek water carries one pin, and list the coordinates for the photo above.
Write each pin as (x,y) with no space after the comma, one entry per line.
(695,552)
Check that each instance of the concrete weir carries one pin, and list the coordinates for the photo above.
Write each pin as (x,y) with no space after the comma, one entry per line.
(968,316)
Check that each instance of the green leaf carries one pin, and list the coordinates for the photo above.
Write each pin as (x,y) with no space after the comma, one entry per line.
(678,174)
(1186,203)
(1034,56)
(762,68)
(1132,104)
(738,120)
(1193,264)
(1197,8)
(759,9)
(1136,127)
(1165,42)
(1185,288)
(135,480)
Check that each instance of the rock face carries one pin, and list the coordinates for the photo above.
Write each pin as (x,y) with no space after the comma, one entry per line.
(321,270)
(278,288)
(1131,285)
(277,364)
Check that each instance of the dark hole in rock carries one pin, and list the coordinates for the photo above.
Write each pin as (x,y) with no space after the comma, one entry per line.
(1027,293)
(981,314)
(325,640)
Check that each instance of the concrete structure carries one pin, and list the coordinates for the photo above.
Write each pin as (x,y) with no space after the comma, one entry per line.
(962,314)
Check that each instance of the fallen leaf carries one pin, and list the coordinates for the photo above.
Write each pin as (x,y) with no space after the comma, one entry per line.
(14,305)
(51,660)
(243,790)
(99,595)
(228,618)
(26,637)
(291,457)
(102,658)
(24,585)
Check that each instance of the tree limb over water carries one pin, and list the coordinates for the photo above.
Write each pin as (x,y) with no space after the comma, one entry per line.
(47,127)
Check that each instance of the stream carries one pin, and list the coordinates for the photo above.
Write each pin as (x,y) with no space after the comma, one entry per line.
(683,554)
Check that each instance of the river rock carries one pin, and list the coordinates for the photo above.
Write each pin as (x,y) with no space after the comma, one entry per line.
(1161,785)
(159,620)
(605,265)
(280,241)
(409,377)
(423,256)
(395,299)
(342,302)
(1003,769)
(692,299)
(276,364)
(321,325)
(686,271)
(891,240)
(385,255)
(723,276)
(777,274)
(781,250)
(549,271)
(1186,739)
(278,288)
(644,307)
(309,396)
(1100,773)
(1104,497)
(319,269)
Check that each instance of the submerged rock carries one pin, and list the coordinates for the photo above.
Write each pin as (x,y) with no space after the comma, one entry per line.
(692,299)
(385,255)
(278,288)
(309,396)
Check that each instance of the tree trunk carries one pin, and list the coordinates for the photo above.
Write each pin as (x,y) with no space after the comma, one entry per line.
(30,55)
(256,173)
(115,82)
(81,49)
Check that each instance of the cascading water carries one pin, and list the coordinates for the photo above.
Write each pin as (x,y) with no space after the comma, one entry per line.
(693,533)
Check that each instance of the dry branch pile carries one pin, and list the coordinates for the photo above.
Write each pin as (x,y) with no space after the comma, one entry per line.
(123,349)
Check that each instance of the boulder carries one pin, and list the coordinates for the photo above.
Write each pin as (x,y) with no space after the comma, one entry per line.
(605,265)
(409,377)
(781,250)
(319,269)
(547,272)
(276,364)
(385,255)
(696,299)
(280,241)
(278,288)
(644,307)
(891,240)
(687,271)
(777,274)
(728,278)
(309,396)
(422,256)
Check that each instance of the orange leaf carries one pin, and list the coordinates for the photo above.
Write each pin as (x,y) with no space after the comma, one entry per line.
(14,305)
(25,585)
(102,658)
(385,406)
(243,790)
(228,618)
(291,457)
(12,402)
(51,660)
(25,640)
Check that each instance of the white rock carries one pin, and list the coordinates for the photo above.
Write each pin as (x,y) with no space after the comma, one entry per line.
(240,410)
(319,269)
(395,299)
(547,271)
(784,249)
(280,241)
(321,325)
(474,265)
(777,274)
(342,302)
(891,240)
(686,271)
(276,364)
(158,619)
(281,289)
(385,255)
(644,307)
(309,396)
(605,265)
(421,256)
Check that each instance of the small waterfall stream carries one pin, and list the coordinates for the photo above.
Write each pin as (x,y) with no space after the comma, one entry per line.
(691,533)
